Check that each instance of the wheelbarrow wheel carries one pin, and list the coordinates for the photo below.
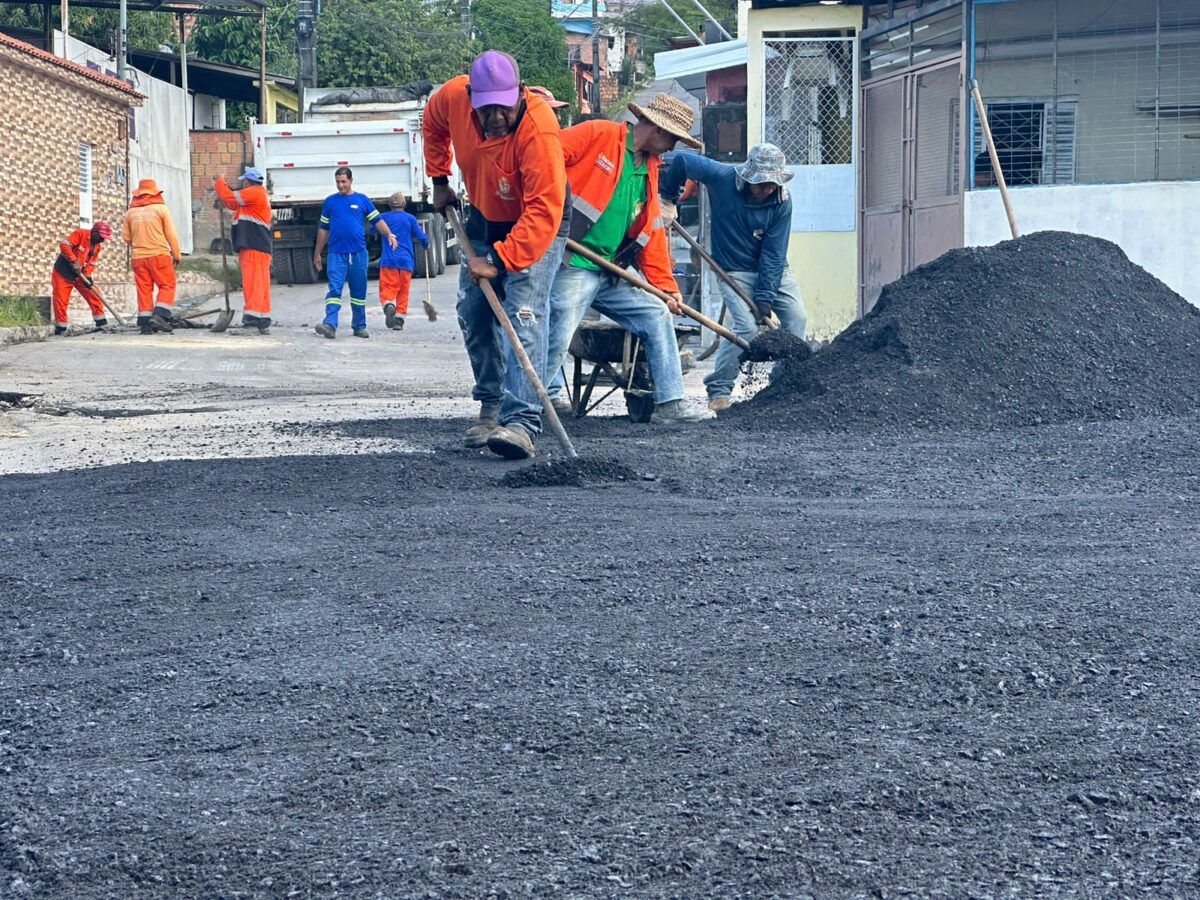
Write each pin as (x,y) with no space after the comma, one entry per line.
(639,406)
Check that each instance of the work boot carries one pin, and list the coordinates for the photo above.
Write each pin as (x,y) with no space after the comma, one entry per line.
(327,331)
(100,324)
(719,404)
(262,323)
(562,404)
(144,326)
(511,442)
(361,332)
(60,330)
(161,323)
(477,435)
(674,412)
(394,322)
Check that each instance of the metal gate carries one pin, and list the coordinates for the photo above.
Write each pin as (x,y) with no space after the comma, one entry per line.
(912,173)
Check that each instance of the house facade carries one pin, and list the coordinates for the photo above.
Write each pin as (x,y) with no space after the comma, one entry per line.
(63,177)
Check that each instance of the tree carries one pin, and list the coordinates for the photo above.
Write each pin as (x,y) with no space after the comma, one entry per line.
(98,27)
(528,32)
(655,26)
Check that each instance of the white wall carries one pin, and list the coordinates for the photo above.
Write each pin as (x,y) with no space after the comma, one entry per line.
(1152,222)
(160,148)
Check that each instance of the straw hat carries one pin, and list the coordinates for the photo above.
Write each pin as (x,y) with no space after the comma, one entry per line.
(670,114)
(146,187)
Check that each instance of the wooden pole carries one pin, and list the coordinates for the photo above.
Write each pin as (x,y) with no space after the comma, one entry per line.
(981,111)
(262,68)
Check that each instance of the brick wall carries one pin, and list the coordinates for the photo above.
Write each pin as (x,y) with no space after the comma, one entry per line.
(46,112)
(214,153)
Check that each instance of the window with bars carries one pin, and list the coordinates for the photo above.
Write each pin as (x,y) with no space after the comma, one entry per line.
(808,99)
(85,185)
(1035,142)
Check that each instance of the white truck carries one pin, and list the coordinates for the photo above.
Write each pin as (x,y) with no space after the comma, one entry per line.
(374,131)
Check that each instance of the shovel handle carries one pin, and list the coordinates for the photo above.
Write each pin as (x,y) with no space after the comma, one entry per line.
(502,317)
(626,275)
(91,286)
(720,273)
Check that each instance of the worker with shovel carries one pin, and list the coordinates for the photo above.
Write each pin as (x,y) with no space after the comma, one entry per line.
(506,141)
(253,243)
(396,266)
(612,168)
(73,270)
(751,224)
(341,227)
(149,229)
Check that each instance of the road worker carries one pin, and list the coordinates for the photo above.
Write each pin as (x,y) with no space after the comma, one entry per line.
(73,270)
(396,266)
(149,229)
(505,139)
(752,221)
(252,241)
(613,169)
(343,217)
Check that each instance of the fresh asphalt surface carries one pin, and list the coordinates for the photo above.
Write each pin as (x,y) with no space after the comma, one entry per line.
(350,662)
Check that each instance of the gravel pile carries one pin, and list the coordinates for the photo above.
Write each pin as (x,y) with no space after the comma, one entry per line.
(1050,328)
(579,472)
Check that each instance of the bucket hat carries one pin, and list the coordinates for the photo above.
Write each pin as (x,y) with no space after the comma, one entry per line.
(764,163)
(670,114)
(146,187)
(495,80)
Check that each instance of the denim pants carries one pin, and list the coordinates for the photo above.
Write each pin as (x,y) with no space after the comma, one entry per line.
(575,290)
(340,268)
(787,306)
(499,379)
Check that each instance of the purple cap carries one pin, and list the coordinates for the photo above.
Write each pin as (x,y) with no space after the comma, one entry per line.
(495,80)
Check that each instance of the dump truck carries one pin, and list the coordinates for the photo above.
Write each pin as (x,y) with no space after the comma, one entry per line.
(374,131)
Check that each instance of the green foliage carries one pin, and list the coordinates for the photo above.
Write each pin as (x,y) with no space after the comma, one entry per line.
(98,27)
(236,40)
(654,25)
(19,311)
(527,31)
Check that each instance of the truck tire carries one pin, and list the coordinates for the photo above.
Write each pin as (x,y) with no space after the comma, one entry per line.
(281,267)
(453,253)
(302,266)
(419,269)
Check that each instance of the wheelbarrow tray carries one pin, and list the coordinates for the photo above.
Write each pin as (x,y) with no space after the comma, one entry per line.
(601,341)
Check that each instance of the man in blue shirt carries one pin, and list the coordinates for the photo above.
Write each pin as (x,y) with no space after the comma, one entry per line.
(751,222)
(342,220)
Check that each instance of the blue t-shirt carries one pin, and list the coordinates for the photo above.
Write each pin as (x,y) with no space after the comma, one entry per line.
(344,216)
(407,230)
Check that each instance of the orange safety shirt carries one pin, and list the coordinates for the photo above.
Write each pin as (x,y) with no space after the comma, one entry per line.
(517,179)
(594,153)
(251,215)
(149,229)
(79,249)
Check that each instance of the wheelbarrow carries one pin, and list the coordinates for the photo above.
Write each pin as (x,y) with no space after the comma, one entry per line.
(618,363)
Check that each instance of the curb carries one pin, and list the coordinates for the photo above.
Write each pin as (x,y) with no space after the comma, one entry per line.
(23,334)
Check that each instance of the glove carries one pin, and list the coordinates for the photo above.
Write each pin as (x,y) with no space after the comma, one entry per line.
(766,315)
(669,213)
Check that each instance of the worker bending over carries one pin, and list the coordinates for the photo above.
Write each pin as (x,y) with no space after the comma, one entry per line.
(613,168)
(149,229)
(751,223)
(253,243)
(73,270)
(396,266)
(342,219)
(506,141)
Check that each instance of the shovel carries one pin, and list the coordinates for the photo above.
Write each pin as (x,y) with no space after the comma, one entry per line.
(511,333)
(91,286)
(430,309)
(626,275)
(226,315)
(767,321)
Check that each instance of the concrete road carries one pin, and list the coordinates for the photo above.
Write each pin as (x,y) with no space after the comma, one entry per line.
(111,398)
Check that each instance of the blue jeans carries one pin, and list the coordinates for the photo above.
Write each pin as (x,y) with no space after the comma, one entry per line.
(499,379)
(575,290)
(340,268)
(787,306)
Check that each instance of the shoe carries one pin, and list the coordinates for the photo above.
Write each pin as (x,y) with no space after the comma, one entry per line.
(489,420)
(674,412)
(101,324)
(719,404)
(327,331)
(262,323)
(144,326)
(60,330)
(160,323)
(393,321)
(361,332)
(511,443)
(562,405)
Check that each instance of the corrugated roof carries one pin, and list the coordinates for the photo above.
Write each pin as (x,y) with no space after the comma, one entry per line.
(99,77)
(705,58)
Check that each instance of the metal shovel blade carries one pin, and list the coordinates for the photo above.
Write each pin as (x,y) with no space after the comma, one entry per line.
(224,317)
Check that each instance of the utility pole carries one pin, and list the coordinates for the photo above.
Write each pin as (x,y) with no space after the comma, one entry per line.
(123,41)
(183,72)
(465,10)
(306,48)
(263,98)
(64,23)
(596,105)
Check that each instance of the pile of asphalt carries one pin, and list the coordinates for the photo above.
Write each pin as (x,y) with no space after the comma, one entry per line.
(1050,328)
(578,472)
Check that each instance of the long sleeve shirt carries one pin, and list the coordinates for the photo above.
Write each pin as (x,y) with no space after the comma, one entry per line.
(251,215)
(79,249)
(746,236)
(149,229)
(408,233)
